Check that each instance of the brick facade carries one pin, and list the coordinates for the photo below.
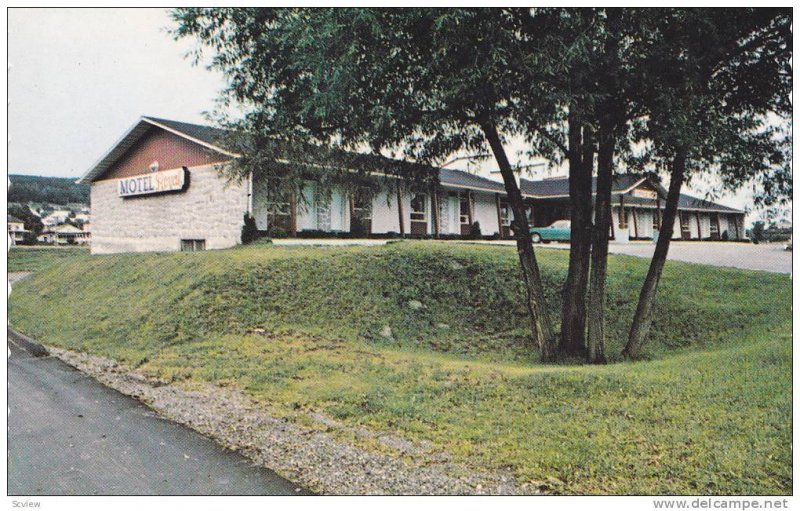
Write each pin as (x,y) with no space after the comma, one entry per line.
(168,149)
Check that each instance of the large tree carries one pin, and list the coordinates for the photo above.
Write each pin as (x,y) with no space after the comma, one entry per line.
(421,84)
(713,80)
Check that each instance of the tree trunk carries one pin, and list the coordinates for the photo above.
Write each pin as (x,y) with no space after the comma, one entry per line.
(647,298)
(602,224)
(534,294)
(573,312)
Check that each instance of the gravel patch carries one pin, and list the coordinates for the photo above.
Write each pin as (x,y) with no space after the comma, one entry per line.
(16,276)
(315,454)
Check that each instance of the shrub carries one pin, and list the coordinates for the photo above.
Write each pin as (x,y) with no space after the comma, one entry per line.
(278,232)
(475,231)
(249,229)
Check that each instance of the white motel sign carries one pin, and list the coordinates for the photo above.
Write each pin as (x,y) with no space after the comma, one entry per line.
(174,180)
(646,194)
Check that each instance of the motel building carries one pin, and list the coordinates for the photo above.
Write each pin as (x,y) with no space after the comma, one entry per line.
(159,188)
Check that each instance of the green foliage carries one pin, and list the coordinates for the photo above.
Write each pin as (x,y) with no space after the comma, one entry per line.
(31,222)
(55,190)
(714,85)
(711,415)
(757,232)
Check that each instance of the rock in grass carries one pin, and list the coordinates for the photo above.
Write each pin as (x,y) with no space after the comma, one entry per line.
(386,332)
(414,305)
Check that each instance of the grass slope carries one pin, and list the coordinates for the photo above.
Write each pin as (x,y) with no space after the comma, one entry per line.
(33,258)
(711,412)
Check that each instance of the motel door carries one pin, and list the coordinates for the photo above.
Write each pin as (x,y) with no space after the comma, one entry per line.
(686,232)
(715,234)
(453,216)
(419,215)
(505,219)
(361,213)
(464,215)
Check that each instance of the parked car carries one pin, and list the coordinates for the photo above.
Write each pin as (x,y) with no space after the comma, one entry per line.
(557,231)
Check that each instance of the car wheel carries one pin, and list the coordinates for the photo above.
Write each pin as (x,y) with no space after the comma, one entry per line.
(536,237)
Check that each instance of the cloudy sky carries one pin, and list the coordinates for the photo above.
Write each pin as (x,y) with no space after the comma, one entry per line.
(79,78)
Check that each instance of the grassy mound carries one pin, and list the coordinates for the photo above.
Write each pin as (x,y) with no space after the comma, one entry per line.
(449,298)
(712,413)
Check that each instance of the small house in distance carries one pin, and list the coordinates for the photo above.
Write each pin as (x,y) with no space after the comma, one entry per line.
(160,188)
(64,234)
(57,217)
(16,229)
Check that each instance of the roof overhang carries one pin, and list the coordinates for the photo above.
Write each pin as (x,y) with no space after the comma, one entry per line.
(129,139)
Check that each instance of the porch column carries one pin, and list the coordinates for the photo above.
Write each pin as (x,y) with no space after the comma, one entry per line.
(611,225)
(471,207)
(435,210)
(293,205)
(635,224)
(658,213)
(499,216)
(400,209)
(699,228)
(622,220)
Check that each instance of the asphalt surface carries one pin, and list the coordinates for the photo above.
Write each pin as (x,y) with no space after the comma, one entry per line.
(70,435)
(769,257)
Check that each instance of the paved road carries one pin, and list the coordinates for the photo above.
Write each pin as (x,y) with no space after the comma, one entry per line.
(70,435)
(747,256)
(765,257)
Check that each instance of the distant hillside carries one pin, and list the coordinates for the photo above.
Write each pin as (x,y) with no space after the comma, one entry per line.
(56,190)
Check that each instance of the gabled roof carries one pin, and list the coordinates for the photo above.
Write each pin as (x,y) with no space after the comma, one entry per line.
(65,229)
(551,188)
(465,179)
(203,135)
(211,138)
(687,202)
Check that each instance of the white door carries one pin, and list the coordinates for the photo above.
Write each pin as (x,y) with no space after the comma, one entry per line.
(260,203)
(453,217)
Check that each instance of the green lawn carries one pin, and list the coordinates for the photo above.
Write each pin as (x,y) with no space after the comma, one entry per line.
(23,258)
(709,413)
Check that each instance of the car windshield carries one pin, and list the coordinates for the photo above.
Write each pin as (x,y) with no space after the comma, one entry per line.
(561,224)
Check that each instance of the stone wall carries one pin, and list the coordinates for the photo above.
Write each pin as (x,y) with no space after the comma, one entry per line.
(210,209)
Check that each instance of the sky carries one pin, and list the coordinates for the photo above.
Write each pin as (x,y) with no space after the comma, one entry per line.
(79,78)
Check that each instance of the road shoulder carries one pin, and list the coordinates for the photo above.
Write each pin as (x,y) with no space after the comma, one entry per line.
(311,450)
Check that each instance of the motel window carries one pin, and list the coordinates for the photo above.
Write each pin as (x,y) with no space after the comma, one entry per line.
(505,214)
(193,245)
(278,199)
(419,207)
(362,203)
(464,208)
(655,220)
